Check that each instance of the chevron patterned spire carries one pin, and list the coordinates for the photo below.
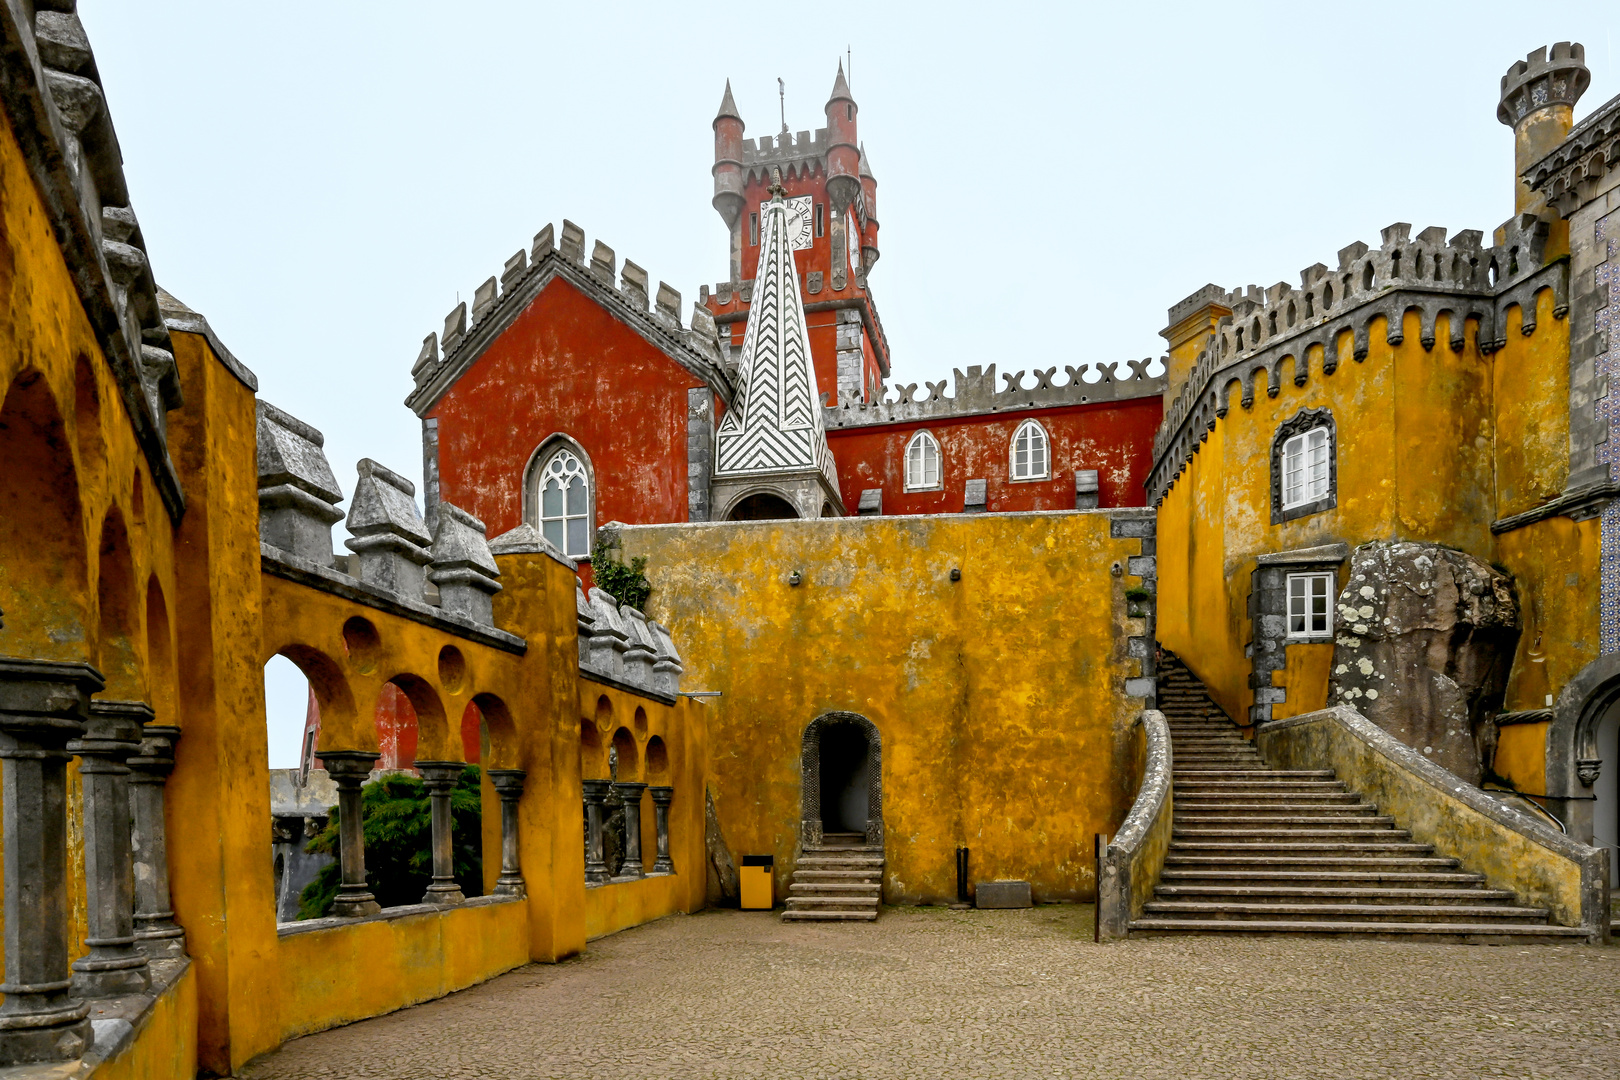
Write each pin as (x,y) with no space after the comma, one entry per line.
(776,424)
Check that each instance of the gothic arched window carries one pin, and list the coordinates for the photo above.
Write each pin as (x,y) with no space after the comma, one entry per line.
(1030,460)
(922,463)
(563,491)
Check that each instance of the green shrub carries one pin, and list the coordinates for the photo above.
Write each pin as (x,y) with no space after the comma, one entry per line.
(626,584)
(398,822)
(1137,594)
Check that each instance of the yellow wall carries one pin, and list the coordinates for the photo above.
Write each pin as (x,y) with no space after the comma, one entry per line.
(999,698)
(336,976)
(164,1047)
(1432,445)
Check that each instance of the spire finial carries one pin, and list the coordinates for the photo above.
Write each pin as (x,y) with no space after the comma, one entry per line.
(776,189)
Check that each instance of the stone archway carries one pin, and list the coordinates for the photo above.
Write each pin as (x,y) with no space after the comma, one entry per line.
(836,725)
(1581,749)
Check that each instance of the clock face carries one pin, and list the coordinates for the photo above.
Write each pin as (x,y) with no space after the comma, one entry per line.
(800,232)
(852,232)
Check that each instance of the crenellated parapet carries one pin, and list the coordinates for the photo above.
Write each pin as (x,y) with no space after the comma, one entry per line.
(620,645)
(977,393)
(1433,274)
(444,577)
(797,156)
(653,313)
(56,110)
(1587,155)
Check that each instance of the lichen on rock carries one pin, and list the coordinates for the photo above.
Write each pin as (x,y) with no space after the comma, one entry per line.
(1426,635)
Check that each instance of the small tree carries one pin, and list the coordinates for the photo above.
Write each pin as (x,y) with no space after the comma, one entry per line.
(397,818)
(626,584)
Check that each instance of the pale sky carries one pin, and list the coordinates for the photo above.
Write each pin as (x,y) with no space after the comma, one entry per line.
(323,181)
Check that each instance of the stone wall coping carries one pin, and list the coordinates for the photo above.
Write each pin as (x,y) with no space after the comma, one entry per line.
(284,564)
(1593,862)
(315,796)
(404,911)
(605,679)
(1130,865)
(178,317)
(116,1021)
(527,540)
(1116,512)
(1323,553)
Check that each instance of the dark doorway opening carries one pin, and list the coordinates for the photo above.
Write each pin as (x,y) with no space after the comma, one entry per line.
(845,758)
(762,507)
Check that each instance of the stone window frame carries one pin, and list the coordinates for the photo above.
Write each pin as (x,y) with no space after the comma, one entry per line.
(1268,614)
(1046,453)
(1301,422)
(923,438)
(548,448)
(1306,636)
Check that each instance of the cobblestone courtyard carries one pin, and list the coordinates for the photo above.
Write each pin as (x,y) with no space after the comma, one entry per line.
(935,993)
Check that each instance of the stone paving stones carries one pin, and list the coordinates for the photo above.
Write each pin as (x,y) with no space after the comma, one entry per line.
(930,993)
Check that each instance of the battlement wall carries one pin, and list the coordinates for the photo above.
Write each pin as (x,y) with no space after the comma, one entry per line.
(1433,274)
(976,393)
(655,314)
(803,155)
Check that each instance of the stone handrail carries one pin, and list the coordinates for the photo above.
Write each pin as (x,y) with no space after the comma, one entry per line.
(1541,865)
(1129,869)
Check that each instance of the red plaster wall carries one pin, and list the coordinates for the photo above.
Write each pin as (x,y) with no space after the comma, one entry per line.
(567,365)
(1115,438)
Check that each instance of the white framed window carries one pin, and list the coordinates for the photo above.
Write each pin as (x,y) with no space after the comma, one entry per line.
(923,459)
(564,490)
(1310,605)
(1030,457)
(1305,467)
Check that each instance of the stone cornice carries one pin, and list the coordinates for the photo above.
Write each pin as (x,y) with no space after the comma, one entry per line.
(1577,504)
(1589,152)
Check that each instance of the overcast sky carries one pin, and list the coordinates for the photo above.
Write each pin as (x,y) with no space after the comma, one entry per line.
(323,181)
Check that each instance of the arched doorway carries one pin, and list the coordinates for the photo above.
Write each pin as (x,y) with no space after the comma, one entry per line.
(1583,758)
(1606,788)
(762,506)
(841,778)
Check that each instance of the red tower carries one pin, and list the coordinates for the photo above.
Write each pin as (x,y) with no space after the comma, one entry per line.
(831,193)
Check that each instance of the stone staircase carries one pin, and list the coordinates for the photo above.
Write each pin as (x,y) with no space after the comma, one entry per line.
(1256,850)
(838,880)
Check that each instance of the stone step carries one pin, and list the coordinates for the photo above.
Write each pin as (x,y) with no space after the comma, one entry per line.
(1312,864)
(1261,838)
(831,903)
(1286,774)
(1256,798)
(1265,820)
(1470,933)
(835,888)
(1291,848)
(852,861)
(1260,810)
(1450,879)
(874,874)
(1239,894)
(1418,913)
(830,916)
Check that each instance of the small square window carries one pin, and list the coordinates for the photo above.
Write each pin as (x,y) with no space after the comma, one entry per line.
(1310,606)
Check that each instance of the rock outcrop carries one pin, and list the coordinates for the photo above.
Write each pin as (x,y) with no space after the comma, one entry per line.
(1424,639)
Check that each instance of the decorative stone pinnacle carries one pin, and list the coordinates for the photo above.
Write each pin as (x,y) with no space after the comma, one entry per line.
(776,189)
(1540,80)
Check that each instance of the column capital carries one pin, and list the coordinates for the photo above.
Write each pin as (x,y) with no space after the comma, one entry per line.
(596,790)
(440,773)
(154,761)
(629,789)
(113,730)
(661,796)
(348,766)
(44,702)
(508,783)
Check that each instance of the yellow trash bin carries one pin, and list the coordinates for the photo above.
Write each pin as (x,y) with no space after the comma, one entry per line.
(758,881)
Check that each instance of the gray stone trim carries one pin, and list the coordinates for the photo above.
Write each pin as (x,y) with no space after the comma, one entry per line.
(1579,504)
(526,540)
(1586,156)
(430,472)
(699,451)
(1592,863)
(1429,275)
(1589,419)
(118,1022)
(178,317)
(284,564)
(1572,739)
(70,148)
(1130,865)
(651,693)
(697,350)
(810,777)
(871,503)
(1301,422)
(1268,614)
(976,394)
(404,911)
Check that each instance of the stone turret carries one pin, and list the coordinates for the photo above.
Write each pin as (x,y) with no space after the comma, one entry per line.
(843,150)
(1538,102)
(869,220)
(728,164)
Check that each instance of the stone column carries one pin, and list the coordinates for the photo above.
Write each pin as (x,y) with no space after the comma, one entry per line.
(508,784)
(661,797)
(630,795)
(596,793)
(349,769)
(114,966)
(42,705)
(155,931)
(439,777)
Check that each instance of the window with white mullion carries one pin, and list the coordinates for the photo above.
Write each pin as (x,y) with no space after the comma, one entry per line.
(923,467)
(1029,452)
(1305,467)
(1310,605)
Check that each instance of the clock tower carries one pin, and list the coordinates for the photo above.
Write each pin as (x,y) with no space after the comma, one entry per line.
(829,200)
